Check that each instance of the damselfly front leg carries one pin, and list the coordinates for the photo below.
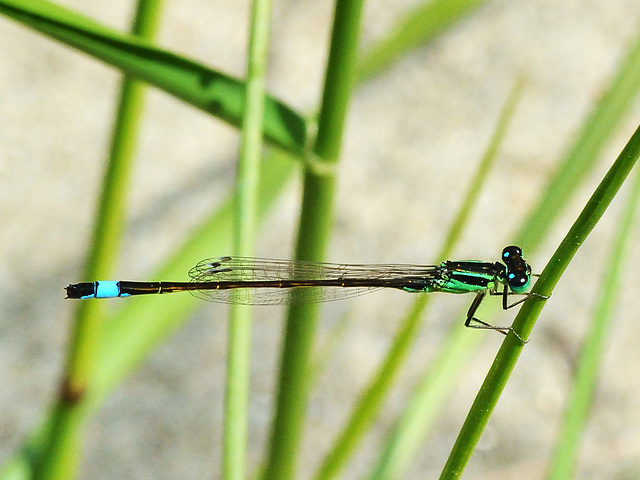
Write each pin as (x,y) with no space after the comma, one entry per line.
(505,295)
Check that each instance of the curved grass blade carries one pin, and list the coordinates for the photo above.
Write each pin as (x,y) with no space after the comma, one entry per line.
(214,92)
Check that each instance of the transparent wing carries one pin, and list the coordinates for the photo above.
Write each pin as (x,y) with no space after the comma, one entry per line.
(353,279)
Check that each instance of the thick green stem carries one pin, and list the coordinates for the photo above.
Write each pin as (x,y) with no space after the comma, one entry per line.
(316,218)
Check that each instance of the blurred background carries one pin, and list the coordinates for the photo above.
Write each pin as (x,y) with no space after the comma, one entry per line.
(414,138)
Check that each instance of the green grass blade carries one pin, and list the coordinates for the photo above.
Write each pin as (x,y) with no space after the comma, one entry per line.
(214,92)
(234,451)
(581,398)
(316,218)
(509,352)
(418,27)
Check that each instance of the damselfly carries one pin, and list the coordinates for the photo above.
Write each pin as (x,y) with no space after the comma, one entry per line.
(259,281)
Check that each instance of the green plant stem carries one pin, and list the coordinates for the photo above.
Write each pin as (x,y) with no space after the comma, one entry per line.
(239,341)
(509,352)
(316,218)
(581,399)
(62,452)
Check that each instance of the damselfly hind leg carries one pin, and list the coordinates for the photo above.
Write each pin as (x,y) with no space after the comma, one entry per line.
(480,324)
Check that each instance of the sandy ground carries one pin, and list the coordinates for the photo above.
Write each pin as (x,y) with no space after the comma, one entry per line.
(414,136)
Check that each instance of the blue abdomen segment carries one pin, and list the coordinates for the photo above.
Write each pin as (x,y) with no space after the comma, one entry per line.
(108,289)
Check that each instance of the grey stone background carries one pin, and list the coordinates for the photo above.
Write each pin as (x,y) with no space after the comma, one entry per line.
(414,136)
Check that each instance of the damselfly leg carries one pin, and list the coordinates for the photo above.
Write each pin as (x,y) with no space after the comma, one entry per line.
(480,324)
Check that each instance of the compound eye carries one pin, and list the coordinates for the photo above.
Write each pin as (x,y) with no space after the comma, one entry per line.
(518,282)
(510,252)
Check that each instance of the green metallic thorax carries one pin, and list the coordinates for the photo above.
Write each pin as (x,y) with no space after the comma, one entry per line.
(463,277)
